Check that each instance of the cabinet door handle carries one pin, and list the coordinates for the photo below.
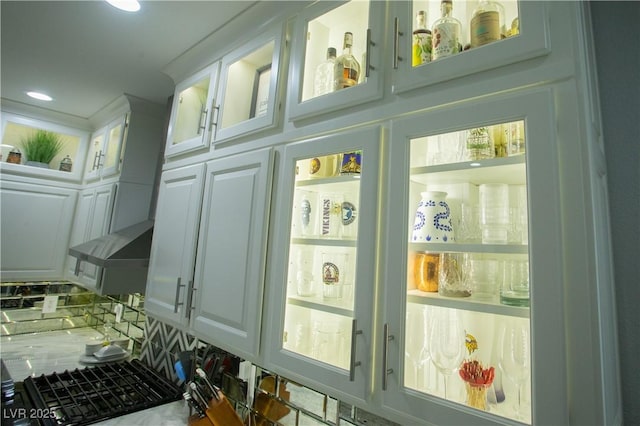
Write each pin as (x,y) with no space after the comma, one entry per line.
(370,43)
(396,43)
(190,306)
(176,304)
(214,123)
(203,119)
(353,363)
(385,356)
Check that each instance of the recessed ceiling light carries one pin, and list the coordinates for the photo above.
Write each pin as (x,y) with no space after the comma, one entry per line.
(126,5)
(40,96)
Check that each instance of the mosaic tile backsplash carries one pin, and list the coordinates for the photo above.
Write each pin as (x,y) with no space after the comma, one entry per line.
(275,400)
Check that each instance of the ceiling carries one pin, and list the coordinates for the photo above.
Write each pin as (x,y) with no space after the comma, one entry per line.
(85,54)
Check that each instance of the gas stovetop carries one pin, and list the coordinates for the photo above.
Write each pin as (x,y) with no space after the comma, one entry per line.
(92,394)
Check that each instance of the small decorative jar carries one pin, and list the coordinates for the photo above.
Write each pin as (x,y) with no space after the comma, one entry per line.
(15,156)
(66,164)
(433,219)
(480,145)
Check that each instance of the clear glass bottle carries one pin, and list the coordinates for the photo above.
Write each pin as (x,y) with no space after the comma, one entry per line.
(324,80)
(421,49)
(487,23)
(446,33)
(347,68)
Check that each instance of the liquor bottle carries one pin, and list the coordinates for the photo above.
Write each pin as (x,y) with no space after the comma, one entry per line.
(421,50)
(486,23)
(446,33)
(324,80)
(347,68)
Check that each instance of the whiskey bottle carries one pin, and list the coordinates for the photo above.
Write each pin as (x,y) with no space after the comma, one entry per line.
(421,49)
(324,79)
(347,68)
(486,23)
(446,33)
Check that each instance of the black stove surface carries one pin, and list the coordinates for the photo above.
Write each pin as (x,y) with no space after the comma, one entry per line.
(89,395)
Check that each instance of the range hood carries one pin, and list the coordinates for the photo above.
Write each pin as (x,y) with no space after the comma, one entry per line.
(117,263)
(128,248)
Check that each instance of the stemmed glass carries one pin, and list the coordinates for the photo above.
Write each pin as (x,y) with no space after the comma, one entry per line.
(415,344)
(446,343)
(515,357)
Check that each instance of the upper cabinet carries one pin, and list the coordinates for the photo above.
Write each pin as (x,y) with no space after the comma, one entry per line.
(249,87)
(191,112)
(323,261)
(105,149)
(337,57)
(467,37)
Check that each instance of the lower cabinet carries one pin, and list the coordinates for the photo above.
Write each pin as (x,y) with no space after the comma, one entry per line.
(208,256)
(36,221)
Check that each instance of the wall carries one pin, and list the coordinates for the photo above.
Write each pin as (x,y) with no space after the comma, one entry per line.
(618,61)
(286,403)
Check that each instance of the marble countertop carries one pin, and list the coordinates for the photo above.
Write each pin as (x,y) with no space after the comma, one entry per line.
(172,414)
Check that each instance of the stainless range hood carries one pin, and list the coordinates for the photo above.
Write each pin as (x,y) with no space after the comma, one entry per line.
(122,255)
(127,248)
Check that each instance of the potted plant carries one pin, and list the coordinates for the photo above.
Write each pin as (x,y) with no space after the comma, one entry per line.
(41,147)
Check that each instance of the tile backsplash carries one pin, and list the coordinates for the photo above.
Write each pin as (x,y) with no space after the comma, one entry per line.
(275,400)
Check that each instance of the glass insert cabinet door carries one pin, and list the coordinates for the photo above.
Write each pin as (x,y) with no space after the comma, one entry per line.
(336,57)
(467,333)
(191,112)
(327,281)
(249,86)
(435,40)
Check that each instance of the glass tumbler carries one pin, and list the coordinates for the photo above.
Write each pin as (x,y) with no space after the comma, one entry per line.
(515,287)
(494,213)
(453,279)
(334,273)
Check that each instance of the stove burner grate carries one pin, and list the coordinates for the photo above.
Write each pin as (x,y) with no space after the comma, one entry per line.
(86,396)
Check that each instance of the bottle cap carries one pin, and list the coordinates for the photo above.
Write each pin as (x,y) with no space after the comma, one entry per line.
(331,52)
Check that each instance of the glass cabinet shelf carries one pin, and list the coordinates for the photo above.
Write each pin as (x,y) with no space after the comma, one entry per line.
(340,307)
(325,242)
(470,248)
(434,299)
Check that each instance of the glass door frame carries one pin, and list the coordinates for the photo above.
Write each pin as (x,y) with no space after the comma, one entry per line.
(545,256)
(308,371)
(372,89)
(533,41)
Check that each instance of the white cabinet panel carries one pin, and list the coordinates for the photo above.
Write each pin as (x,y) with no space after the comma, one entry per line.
(36,223)
(174,244)
(92,220)
(230,264)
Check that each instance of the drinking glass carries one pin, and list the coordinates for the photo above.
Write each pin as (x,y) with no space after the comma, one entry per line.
(334,274)
(446,343)
(494,212)
(415,346)
(515,357)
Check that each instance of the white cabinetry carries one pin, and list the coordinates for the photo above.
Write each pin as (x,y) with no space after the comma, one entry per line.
(321,26)
(173,248)
(414,377)
(323,276)
(105,148)
(530,97)
(232,246)
(216,293)
(192,112)
(36,221)
(94,212)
